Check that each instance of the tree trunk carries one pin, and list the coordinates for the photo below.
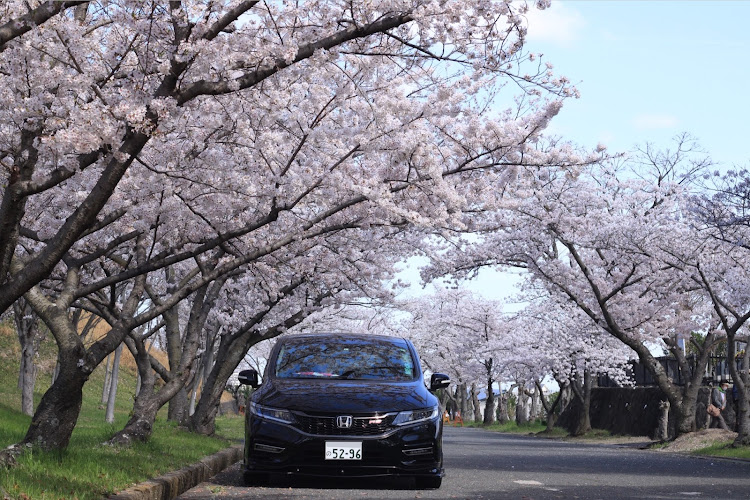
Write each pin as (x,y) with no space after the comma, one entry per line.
(148,402)
(475,403)
(195,386)
(179,407)
(232,350)
(554,408)
(662,430)
(147,405)
(461,393)
(489,407)
(502,409)
(140,425)
(583,394)
(107,380)
(522,404)
(27,327)
(535,402)
(741,379)
(58,411)
(109,417)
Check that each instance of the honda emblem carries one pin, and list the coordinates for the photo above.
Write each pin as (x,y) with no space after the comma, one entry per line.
(344,422)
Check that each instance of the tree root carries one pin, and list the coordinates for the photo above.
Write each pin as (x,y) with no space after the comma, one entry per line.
(9,456)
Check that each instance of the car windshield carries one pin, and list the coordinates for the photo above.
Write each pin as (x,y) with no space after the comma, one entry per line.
(345,358)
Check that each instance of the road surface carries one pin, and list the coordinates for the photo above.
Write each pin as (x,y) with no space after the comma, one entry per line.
(486,465)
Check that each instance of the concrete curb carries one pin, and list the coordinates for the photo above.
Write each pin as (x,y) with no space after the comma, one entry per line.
(169,486)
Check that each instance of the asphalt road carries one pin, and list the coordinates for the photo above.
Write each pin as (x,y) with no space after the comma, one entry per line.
(485,465)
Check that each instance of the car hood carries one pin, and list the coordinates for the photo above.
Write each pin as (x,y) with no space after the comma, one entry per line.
(325,396)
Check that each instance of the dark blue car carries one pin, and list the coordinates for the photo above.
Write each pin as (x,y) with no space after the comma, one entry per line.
(344,405)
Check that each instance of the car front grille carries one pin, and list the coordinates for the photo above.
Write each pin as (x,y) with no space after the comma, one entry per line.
(362,425)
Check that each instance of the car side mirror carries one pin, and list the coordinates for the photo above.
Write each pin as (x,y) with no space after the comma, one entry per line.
(248,377)
(439,381)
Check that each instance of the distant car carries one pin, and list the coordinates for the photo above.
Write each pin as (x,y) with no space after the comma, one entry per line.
(344,405)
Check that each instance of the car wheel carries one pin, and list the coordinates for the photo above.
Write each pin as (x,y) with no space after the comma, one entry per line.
(428,482)
(254,478)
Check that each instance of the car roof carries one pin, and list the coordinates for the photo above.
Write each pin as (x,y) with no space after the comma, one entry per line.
(343,335)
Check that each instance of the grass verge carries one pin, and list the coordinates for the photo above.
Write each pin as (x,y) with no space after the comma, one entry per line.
(725,450)
(87,469)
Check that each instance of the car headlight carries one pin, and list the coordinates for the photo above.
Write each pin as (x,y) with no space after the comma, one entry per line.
(414,416)
(275,414)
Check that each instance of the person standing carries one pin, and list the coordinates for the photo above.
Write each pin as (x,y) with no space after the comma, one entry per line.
(719,400)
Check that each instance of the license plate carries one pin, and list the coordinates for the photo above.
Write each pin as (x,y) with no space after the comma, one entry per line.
(343,450)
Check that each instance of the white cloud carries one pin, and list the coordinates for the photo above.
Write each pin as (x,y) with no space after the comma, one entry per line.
(558,24)
(651,121)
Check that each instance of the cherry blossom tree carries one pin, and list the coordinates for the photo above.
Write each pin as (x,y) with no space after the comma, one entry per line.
(465,335)
(571,349)
(90,93)
(604,239)
(722,273)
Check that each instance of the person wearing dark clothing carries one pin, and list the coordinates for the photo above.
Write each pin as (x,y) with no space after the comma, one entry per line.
(719,400)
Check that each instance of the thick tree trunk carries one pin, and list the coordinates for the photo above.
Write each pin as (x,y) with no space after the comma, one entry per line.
(489,407)
(682,399)
(140,425)
(147,405)
(179,407)
(148,402)
(551,420)
(57,414)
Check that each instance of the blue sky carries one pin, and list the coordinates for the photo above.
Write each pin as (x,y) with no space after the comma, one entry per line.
(649,70)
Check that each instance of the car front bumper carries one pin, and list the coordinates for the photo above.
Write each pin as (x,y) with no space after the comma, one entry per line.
(410,450)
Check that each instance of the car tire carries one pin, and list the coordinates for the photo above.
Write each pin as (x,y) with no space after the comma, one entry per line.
(254,478)
(428,482)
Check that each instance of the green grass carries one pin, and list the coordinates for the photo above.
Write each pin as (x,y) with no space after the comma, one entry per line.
(87,469)
(725,450)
